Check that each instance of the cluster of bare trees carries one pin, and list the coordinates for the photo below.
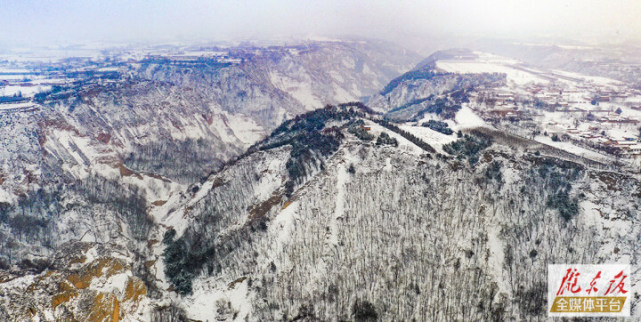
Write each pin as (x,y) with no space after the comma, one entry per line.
(424,240)
(92,209)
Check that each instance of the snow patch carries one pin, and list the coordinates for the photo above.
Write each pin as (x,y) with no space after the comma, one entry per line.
(496,257)
(202,305)
(577,150)
(341,178)
(115,284)
(431,137)
(403,144)
(283,224)
(269,180)
(6,196)
(388,164)
(467,119)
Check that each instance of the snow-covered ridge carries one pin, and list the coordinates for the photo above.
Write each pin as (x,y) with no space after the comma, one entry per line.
(387,212)
(368,222)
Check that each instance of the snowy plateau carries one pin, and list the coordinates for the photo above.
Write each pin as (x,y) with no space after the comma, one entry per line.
(323,181)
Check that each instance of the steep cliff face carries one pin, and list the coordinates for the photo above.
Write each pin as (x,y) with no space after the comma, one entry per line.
(156,125)
(201,111)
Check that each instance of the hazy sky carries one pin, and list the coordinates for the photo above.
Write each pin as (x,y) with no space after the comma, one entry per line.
(77,21)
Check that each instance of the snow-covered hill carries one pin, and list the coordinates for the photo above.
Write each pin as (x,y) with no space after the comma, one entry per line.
(342,215)
(337,213)
(392,230)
